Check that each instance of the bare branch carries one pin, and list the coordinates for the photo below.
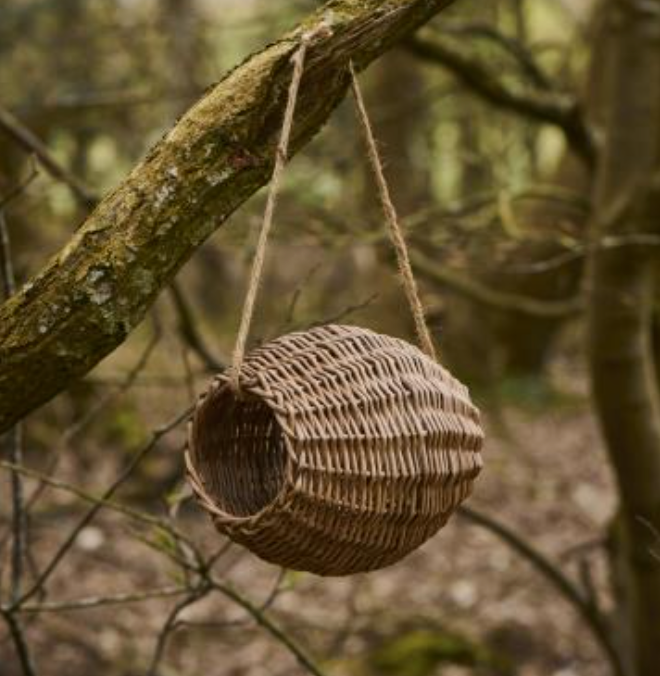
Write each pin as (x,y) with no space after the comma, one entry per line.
(109,492)
(563,584)
(58,484)
(16,130)
(555,108)
(264,621)
(655,553)
(20,643)
(190,332)
(346,312)
(14,442)
(491,297)
(15,465)
(97,601)
(21,186)
(15,445)
(523,57)
(170,625)
(6,262)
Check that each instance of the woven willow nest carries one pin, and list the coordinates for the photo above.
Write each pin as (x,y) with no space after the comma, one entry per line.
(344,451)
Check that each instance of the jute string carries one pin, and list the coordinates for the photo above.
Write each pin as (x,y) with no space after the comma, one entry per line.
(394,227)
(267,223)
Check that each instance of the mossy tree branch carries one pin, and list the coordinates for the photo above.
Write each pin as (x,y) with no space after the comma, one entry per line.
(90,295)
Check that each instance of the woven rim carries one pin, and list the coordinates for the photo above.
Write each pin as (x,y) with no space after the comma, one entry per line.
(233,488)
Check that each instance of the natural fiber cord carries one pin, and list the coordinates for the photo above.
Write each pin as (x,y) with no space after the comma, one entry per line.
(389,212)
(394,228)
(260,253)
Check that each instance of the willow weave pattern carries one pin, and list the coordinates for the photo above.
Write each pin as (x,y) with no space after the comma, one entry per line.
(343,451)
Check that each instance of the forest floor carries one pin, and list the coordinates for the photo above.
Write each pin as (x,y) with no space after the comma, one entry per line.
(464,597)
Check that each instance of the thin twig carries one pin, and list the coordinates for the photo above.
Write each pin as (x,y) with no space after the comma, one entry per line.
(21,186)
(234,624)
(6,261)
(20,643)
(264,621)
(218,554)
(190,332)
(275,591)
(110,491)
(19,522)
(346,312)
(542,106)
(80,424)
(32,144)
(170,625)
(522,55)
(97,601)
(581,548)
(147,381)
(14,438)
(492,297)
(130,512)
(656,534)
(187,566)
(563,584)
(122,388)
(290,313)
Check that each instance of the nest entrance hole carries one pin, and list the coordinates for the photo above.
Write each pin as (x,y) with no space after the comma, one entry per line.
(241,452)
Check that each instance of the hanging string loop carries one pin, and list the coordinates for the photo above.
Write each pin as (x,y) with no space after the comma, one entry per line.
(394,228)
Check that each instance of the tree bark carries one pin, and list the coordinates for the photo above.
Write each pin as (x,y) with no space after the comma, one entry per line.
(621,286)
(90,295)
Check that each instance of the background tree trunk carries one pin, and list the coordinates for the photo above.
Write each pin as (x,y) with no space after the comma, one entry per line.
(621,287)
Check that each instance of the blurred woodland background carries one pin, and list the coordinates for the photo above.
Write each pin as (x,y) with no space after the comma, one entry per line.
(521,140)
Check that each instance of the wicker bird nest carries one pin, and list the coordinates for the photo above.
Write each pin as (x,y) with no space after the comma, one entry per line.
(344,451)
